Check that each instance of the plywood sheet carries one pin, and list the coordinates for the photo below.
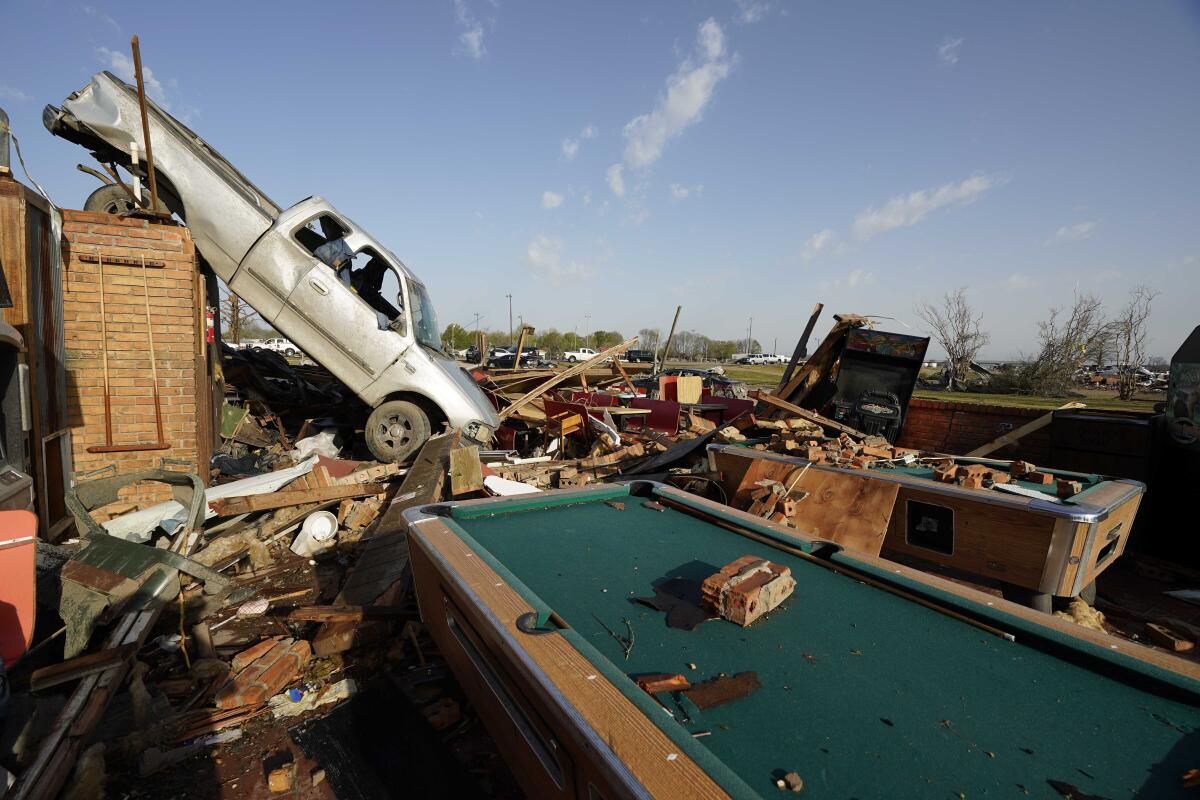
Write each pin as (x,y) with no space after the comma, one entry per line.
(851,510)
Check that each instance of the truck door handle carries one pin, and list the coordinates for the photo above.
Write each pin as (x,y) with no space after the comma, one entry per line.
(320,287)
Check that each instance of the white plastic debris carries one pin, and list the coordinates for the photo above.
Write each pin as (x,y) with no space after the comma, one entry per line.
(316,534)
(320,444)
(504,487)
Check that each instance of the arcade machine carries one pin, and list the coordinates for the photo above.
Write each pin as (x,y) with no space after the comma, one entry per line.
(874,382)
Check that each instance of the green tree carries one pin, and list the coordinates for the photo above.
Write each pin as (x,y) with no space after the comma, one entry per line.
(605,339)
(456,337)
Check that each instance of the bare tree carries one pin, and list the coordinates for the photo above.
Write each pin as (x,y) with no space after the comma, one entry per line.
(1064,341)
(955,326)
(235,316)
(1129,339)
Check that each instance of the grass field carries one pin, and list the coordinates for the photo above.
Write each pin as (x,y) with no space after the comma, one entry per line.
(768,376)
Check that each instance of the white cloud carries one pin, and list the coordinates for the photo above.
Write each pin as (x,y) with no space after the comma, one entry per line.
(680,192)
(570,145)
(1019,280)
(616,181)
(751,11)
(947,51)
(1074,233)
(551,199)
(122,67)
(16,95)
(909,209)
(96,13)
(858,277)
(545,258)
(470,40)
(689,90)
(818,242)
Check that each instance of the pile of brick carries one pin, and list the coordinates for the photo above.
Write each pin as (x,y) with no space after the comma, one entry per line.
(746,589)
(262,671)
(844,451)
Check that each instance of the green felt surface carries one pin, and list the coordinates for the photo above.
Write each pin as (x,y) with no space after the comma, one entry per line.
(865,694)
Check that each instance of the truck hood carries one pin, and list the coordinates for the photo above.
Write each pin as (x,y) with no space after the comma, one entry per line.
(466,384)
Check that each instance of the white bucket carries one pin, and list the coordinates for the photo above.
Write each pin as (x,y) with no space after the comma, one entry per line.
(316,534)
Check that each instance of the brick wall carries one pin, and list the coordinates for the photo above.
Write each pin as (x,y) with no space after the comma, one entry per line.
(173,303)
(957,428)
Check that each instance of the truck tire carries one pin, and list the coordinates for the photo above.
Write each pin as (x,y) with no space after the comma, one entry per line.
(395,430)
(571,359)
(112,199)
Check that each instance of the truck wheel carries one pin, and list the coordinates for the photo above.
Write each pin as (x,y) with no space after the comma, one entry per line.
(112,199)
(395,430)
(571,359)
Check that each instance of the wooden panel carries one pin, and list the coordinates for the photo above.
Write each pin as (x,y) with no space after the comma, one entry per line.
(851,510)
(1120,522)
(1000,542)
(653,759)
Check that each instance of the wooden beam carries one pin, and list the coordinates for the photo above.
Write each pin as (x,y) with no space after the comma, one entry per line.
(270,501)
(670,336)
(801,346)
(620,369)
(812,416)
(466,473)
(80,666)
(348,613)
(1013,436)
(525,329)
(821,362)
(578,369)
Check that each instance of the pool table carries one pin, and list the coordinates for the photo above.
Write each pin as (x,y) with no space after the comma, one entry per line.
(876,680)
(1034,545)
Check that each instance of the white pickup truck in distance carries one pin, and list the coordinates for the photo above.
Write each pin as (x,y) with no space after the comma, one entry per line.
(582,354)
(309,270)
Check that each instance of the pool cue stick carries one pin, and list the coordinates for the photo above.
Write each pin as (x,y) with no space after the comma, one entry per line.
(849,572)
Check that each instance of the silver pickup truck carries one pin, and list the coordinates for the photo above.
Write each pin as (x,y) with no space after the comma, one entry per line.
(310,271)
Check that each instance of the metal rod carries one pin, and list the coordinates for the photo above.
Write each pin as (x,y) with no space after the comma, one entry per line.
(141,89)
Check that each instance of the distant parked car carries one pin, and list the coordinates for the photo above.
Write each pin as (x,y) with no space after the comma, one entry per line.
(582,354)
(281,346)
(528,359)
(757,358)
(639,356)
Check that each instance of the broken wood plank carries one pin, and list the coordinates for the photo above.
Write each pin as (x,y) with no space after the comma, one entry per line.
(79,667)
(780,404)
(801,347)
(1013,436)
(250,503)
(466,473)
(348,613)
(578,369)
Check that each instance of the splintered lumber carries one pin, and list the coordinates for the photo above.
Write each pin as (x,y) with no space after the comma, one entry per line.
(1024,430)
(578,369)
(670,337)
(79,667)
(801,347)
(825,422)
(466,473)
(823,359)
(525,330)
(347,613)
(248,504)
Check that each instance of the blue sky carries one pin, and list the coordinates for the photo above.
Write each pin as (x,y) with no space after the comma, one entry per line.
(738,158)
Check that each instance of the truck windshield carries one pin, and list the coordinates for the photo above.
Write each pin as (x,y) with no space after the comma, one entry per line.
(424,319)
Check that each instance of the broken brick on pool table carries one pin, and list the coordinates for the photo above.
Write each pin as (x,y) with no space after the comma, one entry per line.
(877,680)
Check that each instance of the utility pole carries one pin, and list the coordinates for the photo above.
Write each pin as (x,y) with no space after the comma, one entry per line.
(509,296)
(587,324)
(477,318)
(750,338)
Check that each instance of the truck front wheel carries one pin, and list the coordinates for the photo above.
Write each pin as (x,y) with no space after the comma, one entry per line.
(395,430)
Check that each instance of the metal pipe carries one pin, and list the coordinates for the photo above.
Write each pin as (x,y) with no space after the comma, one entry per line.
(137,71)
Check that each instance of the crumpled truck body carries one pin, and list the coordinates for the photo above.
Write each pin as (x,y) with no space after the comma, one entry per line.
(266,255)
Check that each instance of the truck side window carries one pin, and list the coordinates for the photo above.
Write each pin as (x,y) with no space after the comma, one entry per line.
(375,282)
(319,231)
